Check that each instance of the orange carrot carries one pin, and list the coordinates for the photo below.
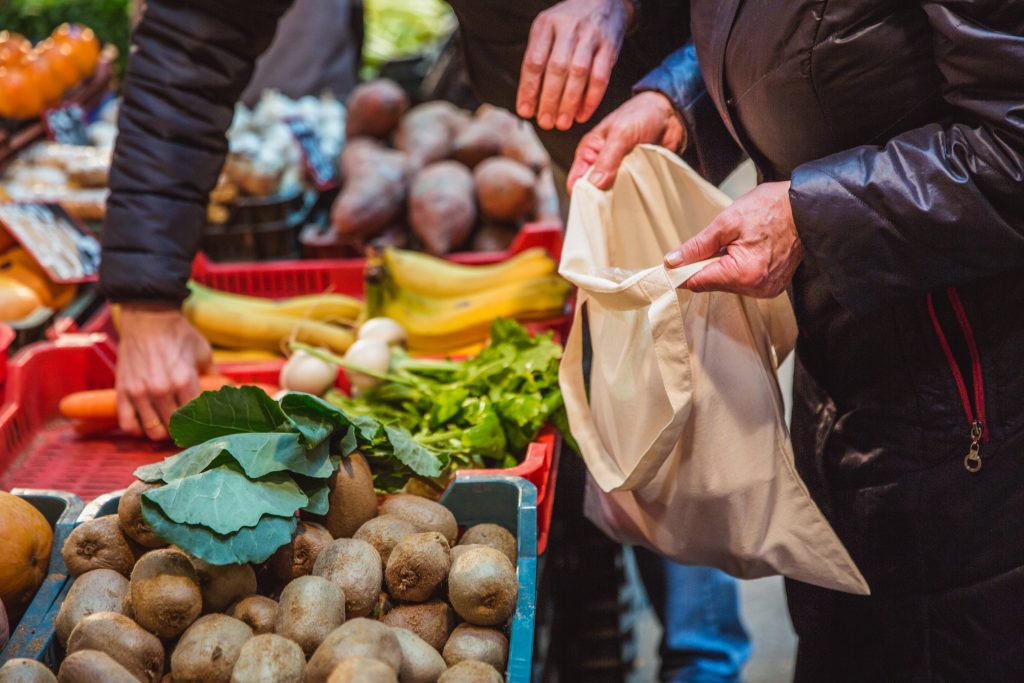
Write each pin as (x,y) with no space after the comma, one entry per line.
(101,404)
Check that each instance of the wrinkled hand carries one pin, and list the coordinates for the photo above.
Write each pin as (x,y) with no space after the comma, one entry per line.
(757,240)
(159,359)
(572,48)
(648,117)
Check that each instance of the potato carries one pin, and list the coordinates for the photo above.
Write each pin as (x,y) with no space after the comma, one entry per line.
(375,108)
(92,666)
(427,132)
(426,515)
(310,608)
(352,498)
(222,585)
(137,650)
(258,611)
(101,590)
(269,658)
(296,559)
(432,621)
(356,638)
(482,586)
(420,661)
(384,533)
(477,643)
(208,650)
(505,189)
(471,672)
(524,146)
(26,671)
(494,536)
(98,544)
(129,516)
(374,192)
(485,136)
(355,567)
(418,566)
(165,593)
(442,206)
(362,670)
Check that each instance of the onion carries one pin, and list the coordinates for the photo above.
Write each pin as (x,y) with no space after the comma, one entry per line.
(370,354)
(307,373)
(384,329)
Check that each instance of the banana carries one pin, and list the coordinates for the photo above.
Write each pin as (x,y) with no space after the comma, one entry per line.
(324,307)
(433,276)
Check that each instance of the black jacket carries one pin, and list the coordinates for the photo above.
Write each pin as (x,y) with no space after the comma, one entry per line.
(901,127)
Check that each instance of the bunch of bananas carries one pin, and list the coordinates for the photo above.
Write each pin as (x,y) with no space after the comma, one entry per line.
(446,307)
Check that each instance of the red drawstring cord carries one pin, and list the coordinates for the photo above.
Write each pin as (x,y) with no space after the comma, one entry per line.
(972,349)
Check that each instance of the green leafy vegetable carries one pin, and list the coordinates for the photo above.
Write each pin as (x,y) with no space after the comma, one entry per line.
(227,411)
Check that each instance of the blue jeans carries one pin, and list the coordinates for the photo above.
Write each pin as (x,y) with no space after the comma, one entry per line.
(704,640)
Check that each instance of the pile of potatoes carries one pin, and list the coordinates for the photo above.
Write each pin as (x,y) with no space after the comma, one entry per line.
(369,593)
(451,176)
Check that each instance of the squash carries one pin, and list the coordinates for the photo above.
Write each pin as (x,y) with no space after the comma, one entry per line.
(23,267)
(25,541)
(5,627)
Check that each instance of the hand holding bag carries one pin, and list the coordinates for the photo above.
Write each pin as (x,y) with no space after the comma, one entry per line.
(683,431)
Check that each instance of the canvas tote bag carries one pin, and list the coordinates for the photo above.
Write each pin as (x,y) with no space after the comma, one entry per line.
(683,429)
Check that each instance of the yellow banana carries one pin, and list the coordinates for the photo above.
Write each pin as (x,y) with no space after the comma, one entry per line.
(434,276)
(324,307)
(243,356)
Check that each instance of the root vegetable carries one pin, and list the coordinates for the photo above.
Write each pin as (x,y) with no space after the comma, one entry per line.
(374,193)
(362,670)
(482,586)
(307,373)
(137,650)
(432,621)
(420,662)
(471,672)
(477,643)
(165,593)
(369,354)
(258,611)
(269,658)
(352,498)
(442,206)
(493,237)
(297,558)
(385,330)
(21,670)
(505,189)
(355,638)
(418,566)
(355,567)
(208,650)
(384,533)
(425,515)
(494,536)
(375,109)
(427,132)
(310,608)
(129,516)
(98,544)
(101,590)
(524,146)
(92,666)
(485,136)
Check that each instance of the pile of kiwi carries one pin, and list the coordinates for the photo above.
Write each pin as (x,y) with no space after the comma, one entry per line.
(370,593)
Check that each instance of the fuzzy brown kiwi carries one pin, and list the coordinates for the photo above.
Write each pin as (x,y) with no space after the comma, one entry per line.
(129,516)
(98,544)
(208,649)
(384,533)
(482,586)
(356,638)
(101,590)
(477,643)
(421,663)
(21,670)
(259,611)
(425,515)
(418,566)
(269,658)
(494,536)
(362,670)
(432,621)
(92,666)
(352,498)
(222,585)
(297,558)
(134,648)
(165,593)
(310,608)
(354,566)
(470,671)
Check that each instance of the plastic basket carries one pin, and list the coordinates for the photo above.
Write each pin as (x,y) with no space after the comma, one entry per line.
(473,499)
(29,635)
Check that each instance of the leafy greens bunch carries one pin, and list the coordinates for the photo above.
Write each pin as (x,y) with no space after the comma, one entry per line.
(251,462)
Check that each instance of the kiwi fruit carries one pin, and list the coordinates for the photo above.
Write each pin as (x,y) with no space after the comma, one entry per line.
(25,671)
(354,566)
(477,643)
(494,536)
(92,666)
(98,544)
(352,498)
(461,548)
(425,515)
(482,586)
(432,621)
(223,584)
(296,559)
(356,638)
(165,592)
(420,661)
(134,648)
(362,670)
(269,658)
(208,650)
(256,610)
(471,671)
(418,566)
(384,533)
(310,608)
(129,516)
(101,590)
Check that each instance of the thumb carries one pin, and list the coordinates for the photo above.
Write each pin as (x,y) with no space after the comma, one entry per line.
(705,244)
(586,153)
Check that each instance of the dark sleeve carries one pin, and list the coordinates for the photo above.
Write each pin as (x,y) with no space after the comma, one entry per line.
(190,62)
(937,205)
(709,147)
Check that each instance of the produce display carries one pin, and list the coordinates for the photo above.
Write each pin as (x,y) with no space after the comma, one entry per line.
(25,288)
(73,176)
(25,540)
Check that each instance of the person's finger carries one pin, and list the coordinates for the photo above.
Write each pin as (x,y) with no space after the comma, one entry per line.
(607,164)
(586,154)
(726,274)
(185,384)
(126,417)
(534,61)
(204,358)
(576,83)
(150,421)
(600,75)
(555,75)
(707,243)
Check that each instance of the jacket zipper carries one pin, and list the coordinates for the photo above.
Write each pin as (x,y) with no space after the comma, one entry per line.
(975,413)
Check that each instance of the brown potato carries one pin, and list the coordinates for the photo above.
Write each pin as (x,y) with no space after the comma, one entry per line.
(505,189)
(442,206)
(375,109)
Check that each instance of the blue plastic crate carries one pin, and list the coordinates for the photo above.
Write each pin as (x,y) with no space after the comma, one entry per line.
(30,635)
(473,499)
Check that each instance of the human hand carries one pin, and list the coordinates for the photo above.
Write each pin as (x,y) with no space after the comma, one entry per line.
(761,246)
(648,117)
(159,359)
(572,48)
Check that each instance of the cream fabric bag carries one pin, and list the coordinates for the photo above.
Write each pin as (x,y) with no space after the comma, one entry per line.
(684,432)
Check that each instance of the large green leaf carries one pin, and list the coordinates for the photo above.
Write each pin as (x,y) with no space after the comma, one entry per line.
(313,417)
(248,544)
(319,500)
(190,461)
(229,410)
(261,454)
(419,459)
(224,499)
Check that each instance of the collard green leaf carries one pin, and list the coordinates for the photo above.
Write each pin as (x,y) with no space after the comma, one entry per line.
(229,410)
(248,544)
(313,417)
(419,459)
(319,500)
(224,499)
(151,473)
(348,443)
(261,454)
